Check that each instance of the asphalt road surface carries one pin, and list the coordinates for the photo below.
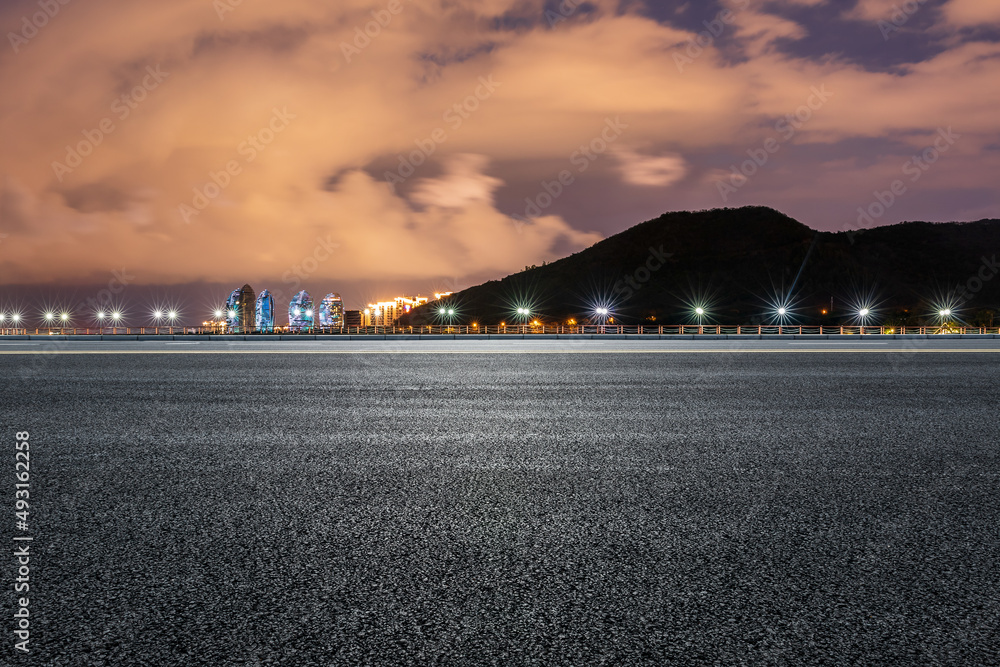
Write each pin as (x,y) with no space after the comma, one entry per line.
(618,506)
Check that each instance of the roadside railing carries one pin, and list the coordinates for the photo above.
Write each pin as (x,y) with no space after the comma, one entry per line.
(525,329)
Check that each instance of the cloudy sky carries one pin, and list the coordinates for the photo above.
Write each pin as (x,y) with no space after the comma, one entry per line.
(413,145)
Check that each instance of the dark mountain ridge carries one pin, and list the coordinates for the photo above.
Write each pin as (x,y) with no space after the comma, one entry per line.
(740,265)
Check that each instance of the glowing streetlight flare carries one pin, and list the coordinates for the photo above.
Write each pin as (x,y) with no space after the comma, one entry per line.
(699,311)
(864,312)
(49,316)
(946,312)
(782,311)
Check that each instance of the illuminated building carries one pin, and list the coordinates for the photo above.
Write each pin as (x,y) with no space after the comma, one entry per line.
(265,312)
(240,315)
(440,295)
(381,314)
(405,304)
(331,311)
(300,312)
(232,313)
(386,313)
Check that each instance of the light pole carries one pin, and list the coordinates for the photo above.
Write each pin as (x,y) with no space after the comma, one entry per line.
(523,315)
(945,315)
(602,316)
(447,315)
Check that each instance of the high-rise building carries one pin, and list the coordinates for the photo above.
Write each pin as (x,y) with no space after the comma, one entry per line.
(240,310)
(381,314)
(331,311)
(405,304)
(300,312)
(232,314)
(265,311)
(386,313)
(353,318)
(247,307)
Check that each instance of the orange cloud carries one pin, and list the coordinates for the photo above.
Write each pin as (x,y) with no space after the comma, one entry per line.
(205,139)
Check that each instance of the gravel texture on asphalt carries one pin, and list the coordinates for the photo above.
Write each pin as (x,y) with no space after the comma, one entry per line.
(591,509)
